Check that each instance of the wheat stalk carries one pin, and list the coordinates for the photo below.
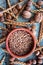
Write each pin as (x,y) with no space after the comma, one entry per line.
(41,32)
(20,11)
(4,28)
(11,7)
(1,62)
(36,5)
(5,50)
(38,48)
(38,10)
(2,43)
(2,7)
(3,39)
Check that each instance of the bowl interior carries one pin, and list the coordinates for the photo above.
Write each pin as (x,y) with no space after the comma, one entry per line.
(32,46)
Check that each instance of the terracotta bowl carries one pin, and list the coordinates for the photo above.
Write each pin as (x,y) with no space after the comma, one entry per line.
(24,56)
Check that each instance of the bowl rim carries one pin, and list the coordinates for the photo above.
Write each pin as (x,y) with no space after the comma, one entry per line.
(17,56)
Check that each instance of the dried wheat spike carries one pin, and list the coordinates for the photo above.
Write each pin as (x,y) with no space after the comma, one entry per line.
(11,22)
(17,23)
(18,62)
